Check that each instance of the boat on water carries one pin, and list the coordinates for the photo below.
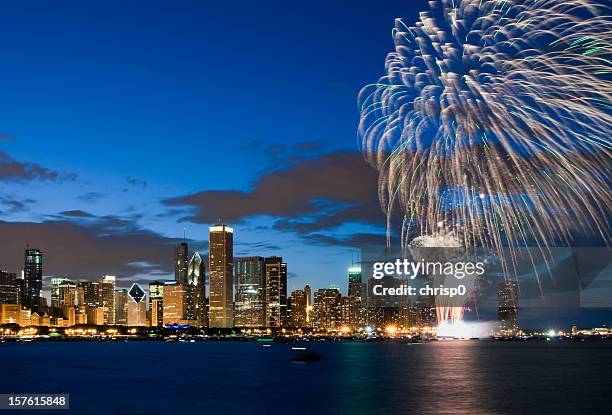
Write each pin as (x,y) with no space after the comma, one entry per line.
(304,355)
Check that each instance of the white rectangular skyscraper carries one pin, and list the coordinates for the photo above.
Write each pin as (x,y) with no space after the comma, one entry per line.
(221,276)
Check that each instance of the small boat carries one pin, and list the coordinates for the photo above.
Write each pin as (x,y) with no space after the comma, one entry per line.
(304,355)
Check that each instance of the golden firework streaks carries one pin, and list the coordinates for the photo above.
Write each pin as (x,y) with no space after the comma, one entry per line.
(493,122)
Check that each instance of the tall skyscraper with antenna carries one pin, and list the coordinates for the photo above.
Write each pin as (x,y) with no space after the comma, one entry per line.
(32,272)
(220,268)
(196,309)
(181,258)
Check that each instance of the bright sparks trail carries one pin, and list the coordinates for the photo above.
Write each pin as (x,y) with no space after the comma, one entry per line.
(447,309)
(493,122)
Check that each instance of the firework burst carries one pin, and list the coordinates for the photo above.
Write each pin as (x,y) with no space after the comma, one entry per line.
(493,121)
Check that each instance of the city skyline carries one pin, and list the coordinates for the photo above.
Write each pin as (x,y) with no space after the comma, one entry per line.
(258,299)
(122,191)
(533,315)
(393,207)
(184,269)
(258,292)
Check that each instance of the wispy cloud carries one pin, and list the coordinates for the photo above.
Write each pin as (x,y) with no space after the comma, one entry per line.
(13,170)
(136,182)
(310,195)
(88,249)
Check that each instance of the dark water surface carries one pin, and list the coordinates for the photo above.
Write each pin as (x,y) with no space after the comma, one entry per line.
(444,377)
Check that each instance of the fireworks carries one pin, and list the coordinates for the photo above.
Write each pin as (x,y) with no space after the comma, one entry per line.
(443,247)
(492,124)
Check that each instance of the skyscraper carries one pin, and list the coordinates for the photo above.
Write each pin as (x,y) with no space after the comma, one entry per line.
(156,303)
(121,307)
(508,306)
(32,272)
(299,306)
(221,276)
(137,306)
(249,286)
(427,315)
(175,303)
(181,256)
(107,298)
(355,284)
(55,283)
(275,290)
(351,311)
(67,293)
(355,304)
(20,282)
(196,302)
(8,288)
(91,293)
(157,312)
(308,294)
(288,313)
(80,297)
(63,293)
(327,309)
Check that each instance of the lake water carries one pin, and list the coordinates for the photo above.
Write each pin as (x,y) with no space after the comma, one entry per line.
(444,377)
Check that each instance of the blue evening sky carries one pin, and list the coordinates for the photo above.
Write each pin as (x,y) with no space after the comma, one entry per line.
(183,97)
